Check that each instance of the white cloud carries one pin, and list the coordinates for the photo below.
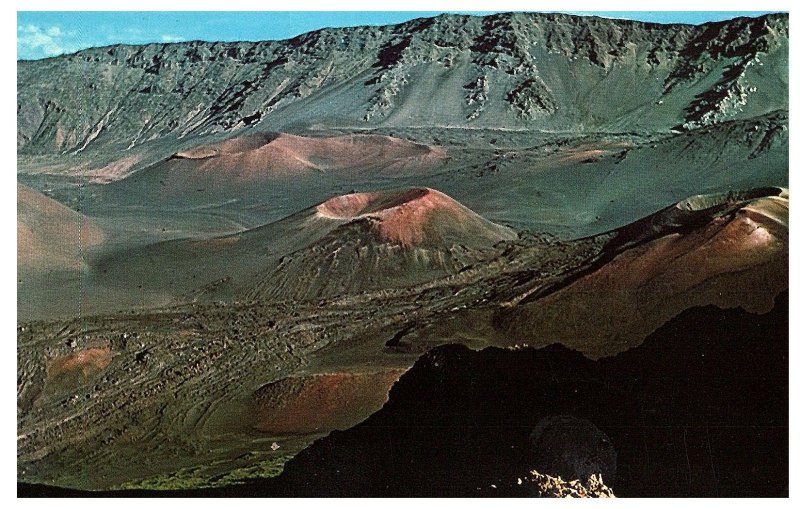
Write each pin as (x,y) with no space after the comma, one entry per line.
(171,38)
(34,41)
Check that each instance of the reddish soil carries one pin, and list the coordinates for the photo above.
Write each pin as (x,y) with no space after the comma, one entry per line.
(412,217)
(78,367)
(322,402)
(737,261)
(250,157)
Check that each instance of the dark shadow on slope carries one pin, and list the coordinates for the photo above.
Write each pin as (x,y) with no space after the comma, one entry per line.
(700,409)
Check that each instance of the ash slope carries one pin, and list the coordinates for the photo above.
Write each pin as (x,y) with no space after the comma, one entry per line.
(516,70)
(663,264)
(51,235)
(54,248)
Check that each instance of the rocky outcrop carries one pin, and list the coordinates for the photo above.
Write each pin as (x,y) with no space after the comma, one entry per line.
(742,45)
(547,486)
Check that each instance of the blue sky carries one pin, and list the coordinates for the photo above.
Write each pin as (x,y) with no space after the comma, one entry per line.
(44,34)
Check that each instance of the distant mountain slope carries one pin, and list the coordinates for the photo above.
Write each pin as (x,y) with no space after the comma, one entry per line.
(516,70)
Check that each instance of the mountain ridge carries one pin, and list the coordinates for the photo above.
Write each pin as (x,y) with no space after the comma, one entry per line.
(504,70)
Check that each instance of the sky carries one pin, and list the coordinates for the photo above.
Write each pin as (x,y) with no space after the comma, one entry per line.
(46,34)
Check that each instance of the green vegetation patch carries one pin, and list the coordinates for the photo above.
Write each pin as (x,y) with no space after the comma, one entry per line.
(198,477)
